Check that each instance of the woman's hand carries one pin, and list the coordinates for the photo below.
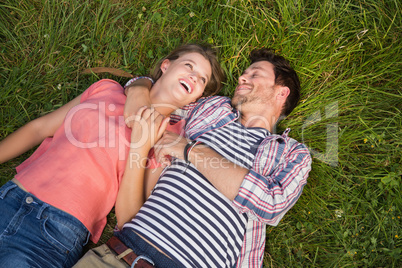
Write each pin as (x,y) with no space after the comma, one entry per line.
(147,128)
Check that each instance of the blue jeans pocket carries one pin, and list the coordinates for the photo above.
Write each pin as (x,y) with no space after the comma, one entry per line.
(59,234)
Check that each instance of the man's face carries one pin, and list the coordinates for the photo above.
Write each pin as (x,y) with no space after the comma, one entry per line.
(256,86)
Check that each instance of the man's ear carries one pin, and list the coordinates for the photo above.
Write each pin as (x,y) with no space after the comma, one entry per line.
(165,65)
(283,92)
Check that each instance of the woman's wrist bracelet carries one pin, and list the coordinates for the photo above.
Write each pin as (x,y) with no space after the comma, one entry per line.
(132,80)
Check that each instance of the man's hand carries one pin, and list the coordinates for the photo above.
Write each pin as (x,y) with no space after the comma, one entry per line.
(171,144)
(137,96)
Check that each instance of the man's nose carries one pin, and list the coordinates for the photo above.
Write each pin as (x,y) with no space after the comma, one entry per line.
(243,79)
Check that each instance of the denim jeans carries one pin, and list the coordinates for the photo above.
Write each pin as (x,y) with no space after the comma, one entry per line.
(36,234)
(142,248)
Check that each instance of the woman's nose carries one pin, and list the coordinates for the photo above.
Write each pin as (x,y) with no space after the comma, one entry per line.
(194,77)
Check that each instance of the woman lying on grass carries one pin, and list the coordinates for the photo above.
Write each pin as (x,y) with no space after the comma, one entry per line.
(64,191)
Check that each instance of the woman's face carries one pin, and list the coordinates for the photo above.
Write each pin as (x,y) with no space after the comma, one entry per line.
(184,79)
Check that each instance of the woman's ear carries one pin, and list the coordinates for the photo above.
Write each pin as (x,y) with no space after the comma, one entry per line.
(165,65)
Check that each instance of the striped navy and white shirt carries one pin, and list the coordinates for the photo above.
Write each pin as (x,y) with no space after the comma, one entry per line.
(278,166)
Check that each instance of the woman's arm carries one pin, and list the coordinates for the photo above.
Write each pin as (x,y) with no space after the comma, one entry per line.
(137,96)
(34,132)
(148,126)
(151,178)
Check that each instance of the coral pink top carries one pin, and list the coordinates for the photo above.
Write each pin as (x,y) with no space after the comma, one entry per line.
(79,169)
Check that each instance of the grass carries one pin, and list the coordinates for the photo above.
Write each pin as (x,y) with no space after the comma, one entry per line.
(348,55)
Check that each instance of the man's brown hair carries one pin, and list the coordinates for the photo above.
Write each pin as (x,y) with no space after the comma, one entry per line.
(285,75)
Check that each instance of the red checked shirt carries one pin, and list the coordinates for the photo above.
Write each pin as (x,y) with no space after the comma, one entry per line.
(273,184)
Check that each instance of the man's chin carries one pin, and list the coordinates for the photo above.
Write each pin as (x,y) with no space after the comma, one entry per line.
(237,101)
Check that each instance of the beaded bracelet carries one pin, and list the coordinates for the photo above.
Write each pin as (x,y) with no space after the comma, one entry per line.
(136,78)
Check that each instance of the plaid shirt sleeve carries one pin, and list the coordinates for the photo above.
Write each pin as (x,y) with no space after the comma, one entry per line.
(276,180)
(269,190)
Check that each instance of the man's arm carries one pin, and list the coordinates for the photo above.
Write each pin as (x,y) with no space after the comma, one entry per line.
(223,174)
(266,191)
(265,195)
(269,190)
